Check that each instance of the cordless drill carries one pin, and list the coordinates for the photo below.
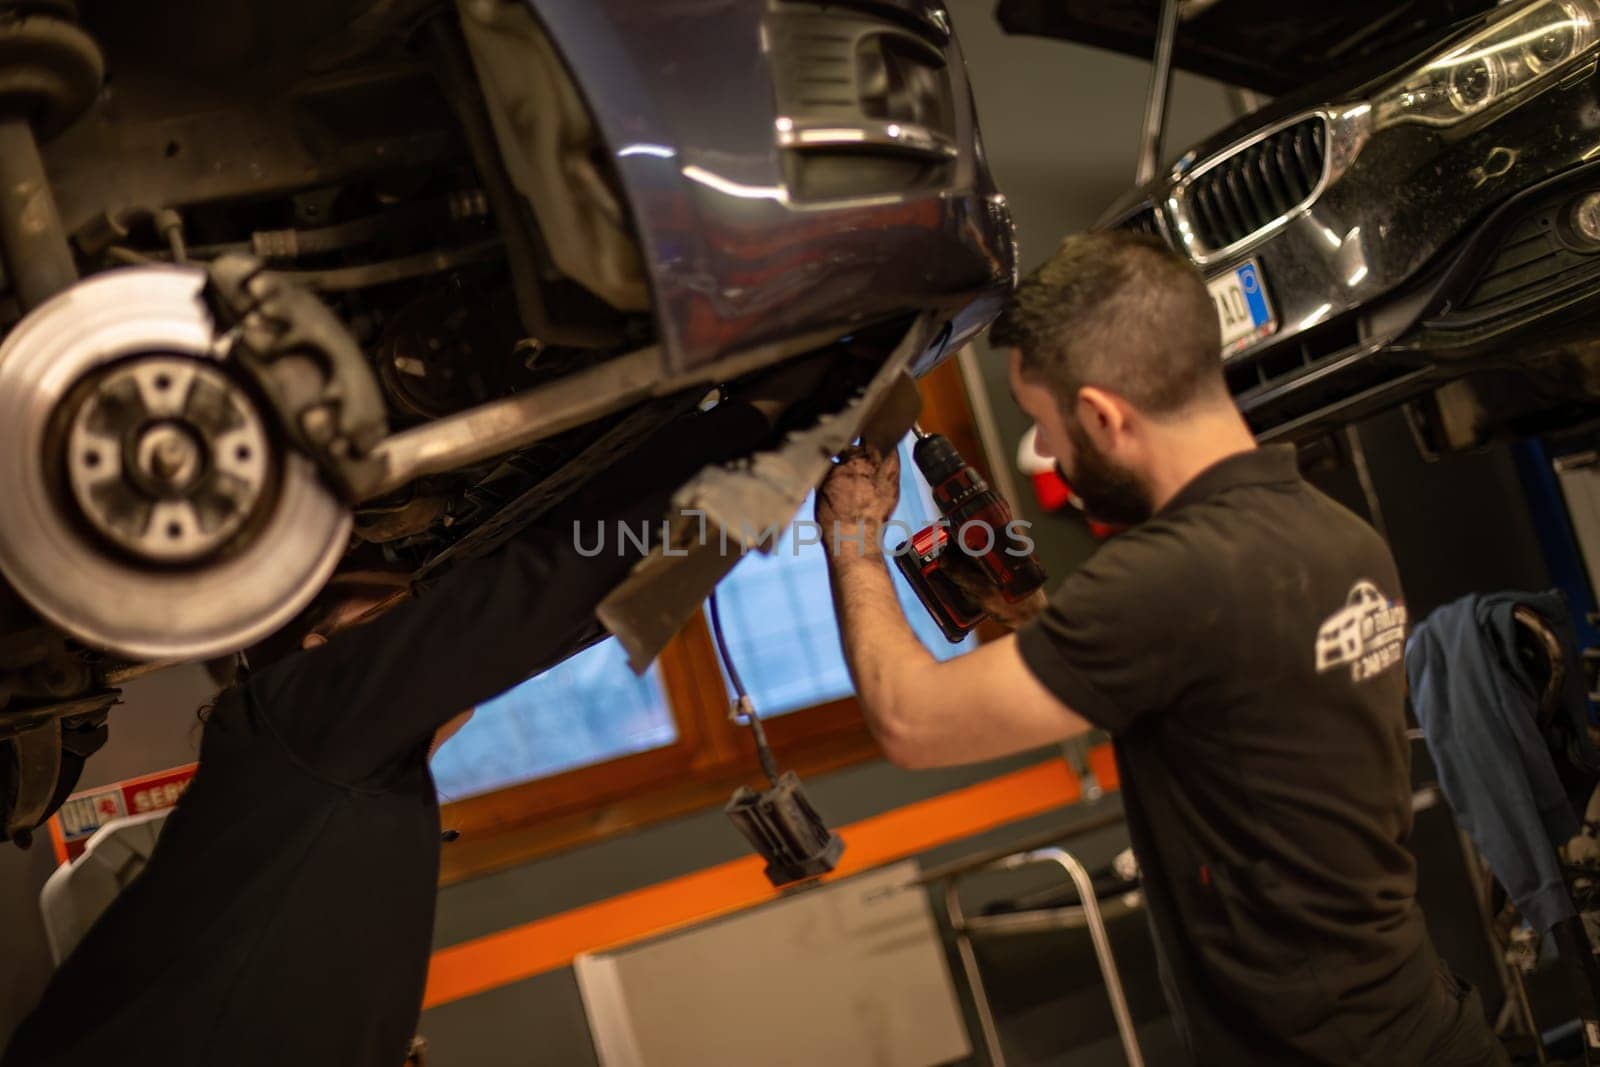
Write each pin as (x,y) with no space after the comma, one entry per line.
(975,522)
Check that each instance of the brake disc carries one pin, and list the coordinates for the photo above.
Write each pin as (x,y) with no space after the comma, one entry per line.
(148,509)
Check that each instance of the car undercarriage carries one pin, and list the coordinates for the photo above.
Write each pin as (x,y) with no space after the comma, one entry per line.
(370,286)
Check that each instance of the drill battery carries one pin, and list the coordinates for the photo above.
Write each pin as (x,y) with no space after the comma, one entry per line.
(920,561)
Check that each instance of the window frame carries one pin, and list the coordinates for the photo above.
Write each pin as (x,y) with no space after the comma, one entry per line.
(712,754)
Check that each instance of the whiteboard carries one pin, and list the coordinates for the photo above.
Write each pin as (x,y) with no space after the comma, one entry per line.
(841,974)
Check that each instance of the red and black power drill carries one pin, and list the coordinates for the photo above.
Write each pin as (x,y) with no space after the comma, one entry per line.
(977,523)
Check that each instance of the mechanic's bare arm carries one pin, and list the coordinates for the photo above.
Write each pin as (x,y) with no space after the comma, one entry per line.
(924,713)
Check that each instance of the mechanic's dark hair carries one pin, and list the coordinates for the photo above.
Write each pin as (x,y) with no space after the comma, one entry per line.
(269,650)
(1122,312)
(325,614)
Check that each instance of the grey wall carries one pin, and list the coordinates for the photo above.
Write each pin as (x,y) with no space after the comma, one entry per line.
(153,729)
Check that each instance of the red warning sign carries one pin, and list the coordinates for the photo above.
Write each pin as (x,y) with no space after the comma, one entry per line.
(84,813)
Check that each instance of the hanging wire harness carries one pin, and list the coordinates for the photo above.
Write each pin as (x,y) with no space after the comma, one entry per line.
(779,822)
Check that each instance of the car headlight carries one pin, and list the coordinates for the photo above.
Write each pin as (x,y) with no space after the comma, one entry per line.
(1518,49)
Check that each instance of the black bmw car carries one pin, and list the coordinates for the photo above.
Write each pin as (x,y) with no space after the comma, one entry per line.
(1415,216)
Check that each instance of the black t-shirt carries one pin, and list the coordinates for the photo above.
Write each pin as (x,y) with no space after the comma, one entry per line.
(286,915)
(1244,649)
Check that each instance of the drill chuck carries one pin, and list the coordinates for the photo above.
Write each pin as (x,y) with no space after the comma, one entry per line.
(953,483)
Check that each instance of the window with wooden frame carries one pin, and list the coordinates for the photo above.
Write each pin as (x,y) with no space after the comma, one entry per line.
(588,750)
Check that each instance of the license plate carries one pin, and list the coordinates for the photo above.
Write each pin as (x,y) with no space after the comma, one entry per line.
(1242,306)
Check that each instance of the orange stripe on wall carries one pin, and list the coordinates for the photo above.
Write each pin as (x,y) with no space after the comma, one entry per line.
(546,944)
(1103,765)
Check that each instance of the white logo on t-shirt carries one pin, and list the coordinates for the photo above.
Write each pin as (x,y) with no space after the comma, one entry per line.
(1368,633)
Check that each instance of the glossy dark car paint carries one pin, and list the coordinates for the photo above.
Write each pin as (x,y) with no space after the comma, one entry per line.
(683,92)
(1370,281)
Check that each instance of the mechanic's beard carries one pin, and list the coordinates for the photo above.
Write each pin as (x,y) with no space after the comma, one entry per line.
(1110,493)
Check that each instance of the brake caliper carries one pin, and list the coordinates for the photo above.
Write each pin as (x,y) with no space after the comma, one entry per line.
(307,365)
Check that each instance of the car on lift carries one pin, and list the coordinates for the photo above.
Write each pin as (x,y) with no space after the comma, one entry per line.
(1413,219)
(358,284)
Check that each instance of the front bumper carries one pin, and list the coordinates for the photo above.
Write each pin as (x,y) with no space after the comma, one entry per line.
(746,245)
(1405,218)
(1519,292)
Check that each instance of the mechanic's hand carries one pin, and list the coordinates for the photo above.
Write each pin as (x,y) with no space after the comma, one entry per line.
(968,576)
(856,499)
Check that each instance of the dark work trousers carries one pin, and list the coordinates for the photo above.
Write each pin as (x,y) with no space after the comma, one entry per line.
(1469,1042)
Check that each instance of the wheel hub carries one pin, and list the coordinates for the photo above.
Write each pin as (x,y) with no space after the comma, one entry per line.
(167,458)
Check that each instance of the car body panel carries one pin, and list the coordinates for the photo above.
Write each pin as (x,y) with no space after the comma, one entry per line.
(736,259)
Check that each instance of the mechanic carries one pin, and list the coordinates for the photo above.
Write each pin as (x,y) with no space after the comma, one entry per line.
(1262,754)
(286,915)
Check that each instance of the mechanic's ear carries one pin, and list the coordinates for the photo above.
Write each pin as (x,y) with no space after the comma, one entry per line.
(313,640)
(1100,414)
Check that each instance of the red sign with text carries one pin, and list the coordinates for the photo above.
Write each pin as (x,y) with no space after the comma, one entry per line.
(84,813)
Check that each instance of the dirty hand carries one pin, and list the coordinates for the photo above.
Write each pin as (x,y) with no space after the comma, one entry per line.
(856,499)
(968,576)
